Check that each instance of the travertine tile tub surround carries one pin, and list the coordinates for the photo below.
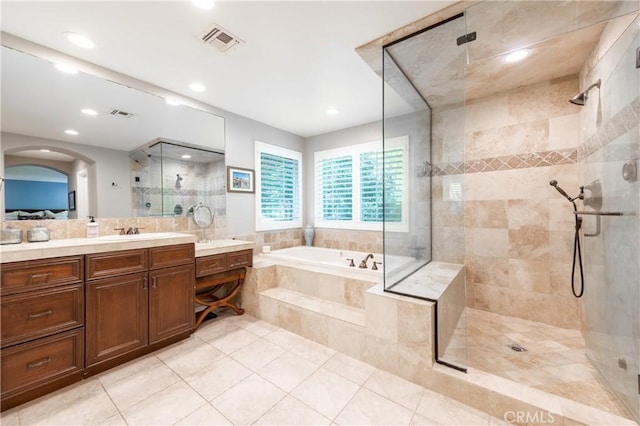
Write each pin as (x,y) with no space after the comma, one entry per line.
(347,313)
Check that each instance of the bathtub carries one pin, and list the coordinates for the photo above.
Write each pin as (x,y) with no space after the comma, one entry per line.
(335,260)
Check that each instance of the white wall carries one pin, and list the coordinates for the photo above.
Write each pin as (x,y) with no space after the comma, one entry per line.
(241,133)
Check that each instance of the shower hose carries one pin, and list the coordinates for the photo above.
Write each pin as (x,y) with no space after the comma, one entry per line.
(577,258)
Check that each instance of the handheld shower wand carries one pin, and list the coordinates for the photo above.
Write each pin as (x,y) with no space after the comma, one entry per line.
(577,252)
(554,183)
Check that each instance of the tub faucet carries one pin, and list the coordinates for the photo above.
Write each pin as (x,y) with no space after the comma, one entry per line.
(363,264)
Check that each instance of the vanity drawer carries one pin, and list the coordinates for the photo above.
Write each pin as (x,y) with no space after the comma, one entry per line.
(237,259)
(116,263)
(209,265)
(35,314)
(34,274)
(165,256)
(41,361)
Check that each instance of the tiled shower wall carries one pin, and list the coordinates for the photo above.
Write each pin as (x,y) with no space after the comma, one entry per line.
(155,192)
(514,231)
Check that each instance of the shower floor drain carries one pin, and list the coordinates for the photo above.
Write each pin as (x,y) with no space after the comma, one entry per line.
(516,347)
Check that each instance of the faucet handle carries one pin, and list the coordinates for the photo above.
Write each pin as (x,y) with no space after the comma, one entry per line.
(351,264)
(120,230)
(136,230)
(375,265)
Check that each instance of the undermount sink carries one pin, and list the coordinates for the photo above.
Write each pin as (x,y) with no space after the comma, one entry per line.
(134,237)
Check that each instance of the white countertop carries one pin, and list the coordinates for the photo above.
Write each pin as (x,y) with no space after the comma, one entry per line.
(80,246)
(222,246)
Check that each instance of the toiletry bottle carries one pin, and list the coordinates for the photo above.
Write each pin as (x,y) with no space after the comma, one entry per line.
(92,228)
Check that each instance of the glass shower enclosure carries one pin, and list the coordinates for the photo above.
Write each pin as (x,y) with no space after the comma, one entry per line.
(170,177)
(424,94)
(437,85)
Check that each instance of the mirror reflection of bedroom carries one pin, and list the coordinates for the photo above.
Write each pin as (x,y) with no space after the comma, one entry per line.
(38,189)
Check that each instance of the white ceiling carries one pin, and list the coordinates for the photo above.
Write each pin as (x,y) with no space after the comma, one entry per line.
(40,101)
(298,58)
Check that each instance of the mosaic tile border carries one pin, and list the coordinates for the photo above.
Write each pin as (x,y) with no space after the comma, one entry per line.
(625,121)
(509,162)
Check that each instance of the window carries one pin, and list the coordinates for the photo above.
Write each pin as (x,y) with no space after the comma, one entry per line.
(278,187)
(350,183)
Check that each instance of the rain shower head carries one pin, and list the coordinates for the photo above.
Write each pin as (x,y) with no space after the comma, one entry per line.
(581,98)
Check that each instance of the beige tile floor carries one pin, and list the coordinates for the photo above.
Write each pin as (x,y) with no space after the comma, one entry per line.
(554,360)
(240,370)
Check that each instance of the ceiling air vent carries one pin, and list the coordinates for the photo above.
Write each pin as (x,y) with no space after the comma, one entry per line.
(220,38)
(120,113)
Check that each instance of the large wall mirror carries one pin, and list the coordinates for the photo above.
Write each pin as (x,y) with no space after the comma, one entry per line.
(44,128)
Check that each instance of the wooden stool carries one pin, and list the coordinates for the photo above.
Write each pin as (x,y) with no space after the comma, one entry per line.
(206,287)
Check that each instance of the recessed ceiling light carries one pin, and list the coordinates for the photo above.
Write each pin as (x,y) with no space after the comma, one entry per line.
(71,132)
(203,4)
(333,111)
(185,156)
(68,69)
(197,87)
(89,111)
(173,102)
(79,40)
(45,150)
(516,56)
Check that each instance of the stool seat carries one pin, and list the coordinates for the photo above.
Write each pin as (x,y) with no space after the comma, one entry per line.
(206,287)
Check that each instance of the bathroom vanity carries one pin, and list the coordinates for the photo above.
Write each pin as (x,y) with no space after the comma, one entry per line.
(73,308)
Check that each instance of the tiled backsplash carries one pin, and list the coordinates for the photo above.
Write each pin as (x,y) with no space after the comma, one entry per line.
(76,228)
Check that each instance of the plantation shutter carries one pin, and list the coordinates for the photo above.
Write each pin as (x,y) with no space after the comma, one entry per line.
(279,190)
(334,180)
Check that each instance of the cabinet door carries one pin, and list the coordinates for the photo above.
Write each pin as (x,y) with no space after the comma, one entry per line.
(117,316)
(171,309)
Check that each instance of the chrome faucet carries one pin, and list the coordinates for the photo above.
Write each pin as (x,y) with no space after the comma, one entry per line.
(363,264)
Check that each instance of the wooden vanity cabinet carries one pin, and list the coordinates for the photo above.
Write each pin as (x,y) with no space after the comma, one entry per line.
(42,329)
(117,316)
(128,313)
(172,279)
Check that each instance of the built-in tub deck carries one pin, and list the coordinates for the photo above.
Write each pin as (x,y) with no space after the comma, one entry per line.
(314,293)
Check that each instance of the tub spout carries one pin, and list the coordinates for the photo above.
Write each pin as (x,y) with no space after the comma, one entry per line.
(363,264)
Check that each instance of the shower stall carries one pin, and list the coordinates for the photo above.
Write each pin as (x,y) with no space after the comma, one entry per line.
(170,177)
(485,136)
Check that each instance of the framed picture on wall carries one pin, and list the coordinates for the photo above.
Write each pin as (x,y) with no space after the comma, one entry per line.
(72,200)
(240,180)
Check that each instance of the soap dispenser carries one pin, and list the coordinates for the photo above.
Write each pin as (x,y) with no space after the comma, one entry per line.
(92,228)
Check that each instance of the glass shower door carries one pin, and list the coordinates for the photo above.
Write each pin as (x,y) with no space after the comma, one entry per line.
(612,272)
